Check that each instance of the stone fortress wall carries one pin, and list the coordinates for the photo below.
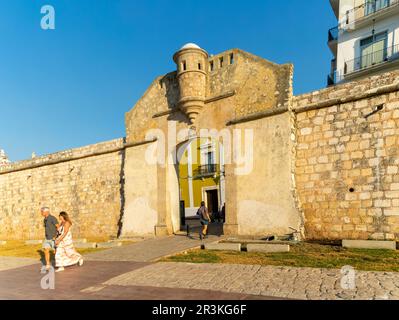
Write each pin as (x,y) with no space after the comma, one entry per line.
(325,162)
(347,159)
(85,182)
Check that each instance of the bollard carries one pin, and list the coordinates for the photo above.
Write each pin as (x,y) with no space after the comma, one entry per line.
(188,230)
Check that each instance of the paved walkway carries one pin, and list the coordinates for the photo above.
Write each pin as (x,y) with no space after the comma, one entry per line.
(292,283)
(85,283)
(128,273)
(7,263)
(151,249)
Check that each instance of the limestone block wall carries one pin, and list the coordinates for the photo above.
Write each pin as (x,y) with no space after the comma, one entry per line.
(84,182)
(259,84)
(253,84)
(347,159)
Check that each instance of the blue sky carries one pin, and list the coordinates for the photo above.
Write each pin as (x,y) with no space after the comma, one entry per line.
(71,86)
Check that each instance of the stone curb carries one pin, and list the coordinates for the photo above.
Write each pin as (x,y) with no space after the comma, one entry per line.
(369,244)
(223,246)
(268,248)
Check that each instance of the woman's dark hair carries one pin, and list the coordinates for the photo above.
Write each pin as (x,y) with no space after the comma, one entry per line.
(66,217)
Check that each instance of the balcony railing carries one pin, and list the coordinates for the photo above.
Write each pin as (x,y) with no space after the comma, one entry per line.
(370,60)
(206,170)
(333,34)
(367,9)
(331,79)
(331,76)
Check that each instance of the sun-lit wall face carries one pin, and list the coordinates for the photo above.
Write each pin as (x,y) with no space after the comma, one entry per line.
(198,170)
(183,179)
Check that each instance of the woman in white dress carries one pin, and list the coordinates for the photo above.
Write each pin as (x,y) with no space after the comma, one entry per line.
(66,254)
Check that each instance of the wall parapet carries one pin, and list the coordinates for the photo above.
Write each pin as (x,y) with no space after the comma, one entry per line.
(258,115)
(71,155)
(64,156)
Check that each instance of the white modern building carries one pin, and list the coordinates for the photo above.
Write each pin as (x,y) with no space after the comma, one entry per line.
(3,158)
(365,41)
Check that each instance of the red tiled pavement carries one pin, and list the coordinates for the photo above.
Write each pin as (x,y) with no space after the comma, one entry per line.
(24,284)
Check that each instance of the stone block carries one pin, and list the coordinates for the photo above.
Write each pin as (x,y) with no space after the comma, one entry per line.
(369,244)
(112,244)
(3,243)
(85,245)
(268,248)
(33,242)
(223,246)
(80,240)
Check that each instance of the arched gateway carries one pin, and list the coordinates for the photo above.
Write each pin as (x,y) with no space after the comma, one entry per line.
(234,97)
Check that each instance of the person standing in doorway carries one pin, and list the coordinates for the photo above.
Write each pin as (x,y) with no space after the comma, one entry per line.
(205,219)
(50,227)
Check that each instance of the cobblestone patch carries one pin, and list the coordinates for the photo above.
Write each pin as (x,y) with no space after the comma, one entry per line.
(282,282)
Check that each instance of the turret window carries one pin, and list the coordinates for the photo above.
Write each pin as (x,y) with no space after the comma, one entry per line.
(221,62)
(184,66)
(231,58)
(199,66)
(211,65)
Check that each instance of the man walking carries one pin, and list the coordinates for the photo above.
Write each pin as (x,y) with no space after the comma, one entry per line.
(205,219)
(50,226)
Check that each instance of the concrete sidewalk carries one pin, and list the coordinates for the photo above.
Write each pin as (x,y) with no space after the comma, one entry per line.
(151,249)
(85,283)
(8,263)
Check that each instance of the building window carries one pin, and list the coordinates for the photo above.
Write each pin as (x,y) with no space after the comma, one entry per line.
(184,66)
(221,62)
(210,158)
(211,65)
(372,6)
(231,58)
(199,66)
(210,162)
(373,50)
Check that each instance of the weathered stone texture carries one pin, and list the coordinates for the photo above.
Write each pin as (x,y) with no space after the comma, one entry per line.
(88,188)
(245,86)
(347,162)
(258,85)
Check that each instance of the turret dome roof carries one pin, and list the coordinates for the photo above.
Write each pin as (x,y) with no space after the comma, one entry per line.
(190,45)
